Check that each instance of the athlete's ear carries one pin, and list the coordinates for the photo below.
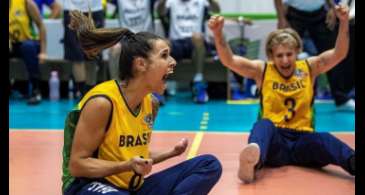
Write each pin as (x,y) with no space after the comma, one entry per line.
(298,51)
(140,64)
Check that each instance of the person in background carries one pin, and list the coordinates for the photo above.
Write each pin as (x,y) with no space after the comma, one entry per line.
(24,44)
(53,5)
(318,19)
(185,20)
(107,135)
(284,133)
(84,71)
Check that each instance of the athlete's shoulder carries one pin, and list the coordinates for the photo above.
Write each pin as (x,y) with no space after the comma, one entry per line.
(303,64)
(105,86)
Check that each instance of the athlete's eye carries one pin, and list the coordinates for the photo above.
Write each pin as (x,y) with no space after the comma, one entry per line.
(165,55)
(290,54)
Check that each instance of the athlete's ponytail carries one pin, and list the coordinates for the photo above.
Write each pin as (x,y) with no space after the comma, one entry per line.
(93,41)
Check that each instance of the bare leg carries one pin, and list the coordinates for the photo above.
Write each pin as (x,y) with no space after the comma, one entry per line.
(79,72)
(198,53)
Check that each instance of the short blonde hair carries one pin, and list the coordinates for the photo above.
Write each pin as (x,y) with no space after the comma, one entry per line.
(285,36)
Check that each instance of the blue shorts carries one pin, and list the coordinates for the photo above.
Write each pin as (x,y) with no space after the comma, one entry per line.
(183,48)
(195,176)
(28,51)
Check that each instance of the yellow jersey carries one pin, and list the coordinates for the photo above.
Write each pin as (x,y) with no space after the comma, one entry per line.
(288,103)
(20,24)
(127,135)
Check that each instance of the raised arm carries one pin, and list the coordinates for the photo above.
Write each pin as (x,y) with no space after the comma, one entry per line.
(330,58)
(248,68)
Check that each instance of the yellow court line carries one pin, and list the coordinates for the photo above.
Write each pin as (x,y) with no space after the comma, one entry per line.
(195,145)
(243,102)
(199,136)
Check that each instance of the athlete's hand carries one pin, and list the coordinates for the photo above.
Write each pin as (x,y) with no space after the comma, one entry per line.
(180,147)
(42,57)
(141,166)
(342,12)
(216,24)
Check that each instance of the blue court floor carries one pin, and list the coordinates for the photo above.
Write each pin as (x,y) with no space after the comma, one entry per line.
(180,114)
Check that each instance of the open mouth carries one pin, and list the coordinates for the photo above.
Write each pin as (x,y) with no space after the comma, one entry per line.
(167,75)
(286,67)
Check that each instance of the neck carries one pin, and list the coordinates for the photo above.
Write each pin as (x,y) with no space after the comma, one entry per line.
(133,93)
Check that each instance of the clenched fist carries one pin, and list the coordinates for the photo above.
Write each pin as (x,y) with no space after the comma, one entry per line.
(216,24)
(141,166)
(180,147)
(342,12)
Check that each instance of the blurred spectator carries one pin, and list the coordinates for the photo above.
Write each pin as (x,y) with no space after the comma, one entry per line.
(184,22)
(317,18)
(84,70)
(53,5)
(23,43)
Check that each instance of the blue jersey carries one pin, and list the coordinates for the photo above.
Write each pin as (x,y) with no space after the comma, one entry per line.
(40,4)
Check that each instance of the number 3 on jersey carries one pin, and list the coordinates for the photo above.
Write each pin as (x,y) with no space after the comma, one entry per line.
(290,104)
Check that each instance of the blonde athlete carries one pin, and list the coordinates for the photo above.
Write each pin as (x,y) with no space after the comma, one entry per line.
(284,133)
(106,138)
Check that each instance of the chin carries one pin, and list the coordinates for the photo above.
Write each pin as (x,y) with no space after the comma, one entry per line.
(160,90)
(287,74)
